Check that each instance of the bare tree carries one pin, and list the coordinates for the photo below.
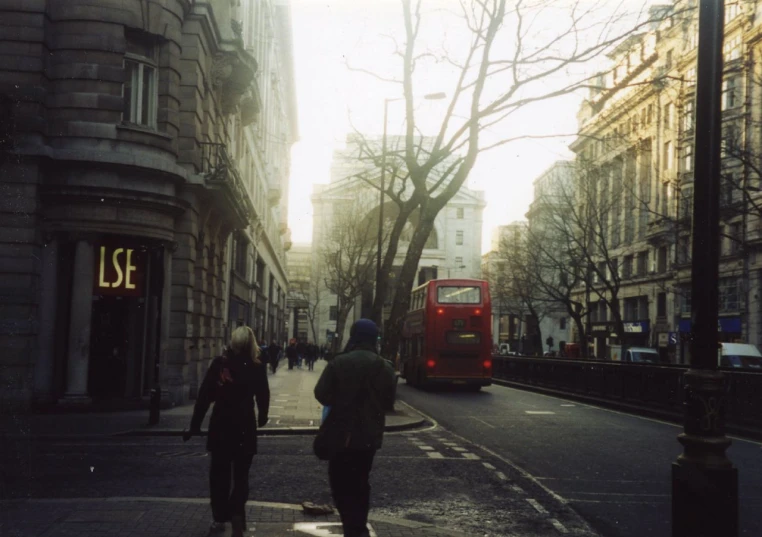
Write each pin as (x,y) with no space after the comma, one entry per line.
(508,65)
(348,260)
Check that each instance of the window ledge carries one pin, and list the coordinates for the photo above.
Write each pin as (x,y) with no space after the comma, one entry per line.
(134,127)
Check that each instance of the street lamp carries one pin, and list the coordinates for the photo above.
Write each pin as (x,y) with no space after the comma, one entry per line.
(704,481)
(380,307)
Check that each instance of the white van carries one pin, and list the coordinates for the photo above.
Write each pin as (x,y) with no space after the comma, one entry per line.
(741,355)
(641,355)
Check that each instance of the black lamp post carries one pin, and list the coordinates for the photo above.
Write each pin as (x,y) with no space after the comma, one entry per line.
(704,481)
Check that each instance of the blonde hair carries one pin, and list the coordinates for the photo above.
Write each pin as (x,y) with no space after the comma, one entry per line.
(242,341)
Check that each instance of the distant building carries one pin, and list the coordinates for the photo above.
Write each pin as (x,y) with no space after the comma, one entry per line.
(452,250)
(303,295)
(636,140)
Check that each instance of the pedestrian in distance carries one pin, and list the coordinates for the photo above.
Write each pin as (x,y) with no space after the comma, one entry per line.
(291,354)
(359,387)
(275,351)
(233,381)
(301,350)
(312,351)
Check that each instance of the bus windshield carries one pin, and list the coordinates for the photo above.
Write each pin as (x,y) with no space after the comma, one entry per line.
(459,295)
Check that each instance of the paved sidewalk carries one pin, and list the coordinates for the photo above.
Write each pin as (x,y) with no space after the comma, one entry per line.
(185,517)
(293,410)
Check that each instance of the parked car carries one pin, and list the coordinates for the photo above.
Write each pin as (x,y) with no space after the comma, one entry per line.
(641,355)
(740,355)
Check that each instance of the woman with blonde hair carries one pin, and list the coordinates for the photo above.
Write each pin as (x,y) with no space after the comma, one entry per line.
(232,383)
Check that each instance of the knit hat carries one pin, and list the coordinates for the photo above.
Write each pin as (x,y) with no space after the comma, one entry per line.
(364,332)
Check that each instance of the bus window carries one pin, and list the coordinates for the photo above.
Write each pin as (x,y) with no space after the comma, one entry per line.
(459,295)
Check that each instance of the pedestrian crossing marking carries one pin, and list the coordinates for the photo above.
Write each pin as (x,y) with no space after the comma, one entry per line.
(426,448)
(459,449)
(435,455)
(471,456)
(488,466)
(545,412)
(501,475)
(537,506)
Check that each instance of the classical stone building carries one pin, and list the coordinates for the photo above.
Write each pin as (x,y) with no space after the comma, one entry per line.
(453,249)
(143,174)
(636,146)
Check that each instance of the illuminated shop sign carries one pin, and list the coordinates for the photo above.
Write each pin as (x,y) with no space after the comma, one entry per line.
(119,270)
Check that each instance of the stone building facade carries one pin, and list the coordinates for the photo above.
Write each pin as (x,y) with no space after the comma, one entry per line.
(141,191)
(636,140)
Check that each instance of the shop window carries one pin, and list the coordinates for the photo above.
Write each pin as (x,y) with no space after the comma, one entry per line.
(728,299)
(642,263)
(140,88)
(662,260)
(661,305)
(240,254)
(729,93)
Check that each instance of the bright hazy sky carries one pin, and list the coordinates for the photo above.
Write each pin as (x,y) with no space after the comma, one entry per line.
(329,33)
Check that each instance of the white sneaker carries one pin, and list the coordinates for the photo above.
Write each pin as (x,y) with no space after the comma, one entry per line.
(217,528)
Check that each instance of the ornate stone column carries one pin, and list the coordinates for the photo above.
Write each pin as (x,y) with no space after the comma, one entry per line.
(79,325)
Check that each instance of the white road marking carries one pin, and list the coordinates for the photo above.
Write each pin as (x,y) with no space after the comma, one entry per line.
(538,412)
(471,456)
(426,448)
(516,488)
(435,455)
(459,449)
(488,466)
(560,527)
(537,506)
(568,405)
(450,444)
(485,423)
(502,476)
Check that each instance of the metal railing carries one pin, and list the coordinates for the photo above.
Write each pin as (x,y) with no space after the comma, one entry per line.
(649,389)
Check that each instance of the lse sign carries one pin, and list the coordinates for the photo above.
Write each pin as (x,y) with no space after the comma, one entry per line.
(119,271)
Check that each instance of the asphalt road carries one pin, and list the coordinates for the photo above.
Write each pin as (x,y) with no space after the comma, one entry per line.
(428,476)
(613,468)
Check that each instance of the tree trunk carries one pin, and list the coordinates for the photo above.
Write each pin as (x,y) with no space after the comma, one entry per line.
(393,326)
(382,283)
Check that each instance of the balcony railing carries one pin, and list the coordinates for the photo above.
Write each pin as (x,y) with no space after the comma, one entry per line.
(659,230)
(222,175)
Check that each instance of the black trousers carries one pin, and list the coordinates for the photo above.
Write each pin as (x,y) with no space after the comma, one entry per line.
(228,502)
(348,474)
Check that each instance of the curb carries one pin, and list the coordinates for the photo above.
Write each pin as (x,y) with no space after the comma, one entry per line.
(275,431)
(401,522)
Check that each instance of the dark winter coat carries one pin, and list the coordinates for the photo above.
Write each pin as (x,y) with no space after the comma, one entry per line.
(359,385)
(232,383)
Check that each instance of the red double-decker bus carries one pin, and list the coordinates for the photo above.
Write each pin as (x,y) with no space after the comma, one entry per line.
(447,334)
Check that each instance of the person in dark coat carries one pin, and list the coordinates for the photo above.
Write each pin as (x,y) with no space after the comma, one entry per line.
(233,381)
(359,386)
(274,350)
(292,354)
